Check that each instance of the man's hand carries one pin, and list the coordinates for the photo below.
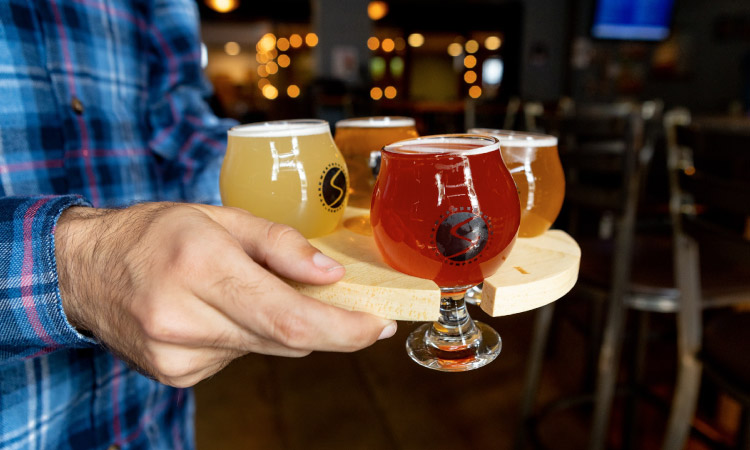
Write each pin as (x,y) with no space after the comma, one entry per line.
(180,290)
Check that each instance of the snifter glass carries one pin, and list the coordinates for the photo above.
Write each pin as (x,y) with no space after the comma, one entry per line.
(357,138)
(289,172)
(445,208)
(534,163)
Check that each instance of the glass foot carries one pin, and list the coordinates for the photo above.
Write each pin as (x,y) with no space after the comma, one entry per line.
(448,360)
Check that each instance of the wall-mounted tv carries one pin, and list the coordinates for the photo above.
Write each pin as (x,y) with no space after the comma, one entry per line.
(632,20)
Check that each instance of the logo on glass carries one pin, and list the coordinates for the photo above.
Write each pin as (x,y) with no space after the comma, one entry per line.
(332,187)
(461,234)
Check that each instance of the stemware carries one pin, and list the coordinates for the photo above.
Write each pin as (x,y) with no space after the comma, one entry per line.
(289,172)
(445,208)
(534,163)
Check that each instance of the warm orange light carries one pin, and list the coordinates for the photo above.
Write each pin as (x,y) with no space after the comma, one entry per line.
(284,60)
(262,72)
(376,93)
(470,61)
(282,44)
(400,44)
(376,10)
(373,43)
(272,67)
(388,45)
(267,43)
(263,82)
(475,92)
(455,49)
(493,43)
(262,58)
(293,91)
(223,6)
(416,39)
(295,40)
(270,92)
(311,39)
(470,76)
(471,46)
(232,48)
(390,92)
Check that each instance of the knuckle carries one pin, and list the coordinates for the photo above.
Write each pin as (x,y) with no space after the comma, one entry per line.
(291,330)
(277,232)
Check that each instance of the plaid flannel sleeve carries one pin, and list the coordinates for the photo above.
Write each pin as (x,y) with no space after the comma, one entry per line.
(32,320)
(186,133)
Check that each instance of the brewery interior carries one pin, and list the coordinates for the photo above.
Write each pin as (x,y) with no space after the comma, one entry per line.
(609,365)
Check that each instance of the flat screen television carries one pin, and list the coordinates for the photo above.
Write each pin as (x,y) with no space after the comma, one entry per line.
(632,20)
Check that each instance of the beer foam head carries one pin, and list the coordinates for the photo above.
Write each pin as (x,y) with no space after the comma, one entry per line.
(510,138)
(462,144)
(281,128)
(376,122)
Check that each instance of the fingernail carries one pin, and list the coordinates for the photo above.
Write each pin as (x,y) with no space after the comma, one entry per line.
(325,263)
(388,331)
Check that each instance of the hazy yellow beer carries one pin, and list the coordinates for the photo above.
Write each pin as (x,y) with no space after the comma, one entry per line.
(286,171)
(357,138)
(534,163)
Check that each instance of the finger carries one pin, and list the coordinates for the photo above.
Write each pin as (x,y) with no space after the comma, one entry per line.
(278,247)
(273,310)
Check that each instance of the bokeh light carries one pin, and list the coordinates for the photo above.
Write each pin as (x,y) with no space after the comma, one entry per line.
(492,43)
(232,48)
(295,40)
(373,43)
(471,46)
(376,93)
(282,44)
(293,91)
(475,92)
(388,45)
(284,60)
(470,61)
(390,92)
(311,39)
(270,92)
(470,76)
(416,39)
(455,49)
(223,6)
(377,9)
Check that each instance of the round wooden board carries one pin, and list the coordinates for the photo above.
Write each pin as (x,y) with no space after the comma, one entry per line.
(538,271)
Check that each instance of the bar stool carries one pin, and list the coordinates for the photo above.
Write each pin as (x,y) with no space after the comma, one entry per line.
(606,153)
(710,204)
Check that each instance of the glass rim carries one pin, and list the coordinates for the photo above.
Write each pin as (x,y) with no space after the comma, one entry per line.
(512,138)
(281,128)
(376,122)
(430,144)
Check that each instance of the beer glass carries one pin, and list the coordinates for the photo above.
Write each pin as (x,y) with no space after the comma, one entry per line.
(286,171)
(534,163)
(357,138)
(445,208)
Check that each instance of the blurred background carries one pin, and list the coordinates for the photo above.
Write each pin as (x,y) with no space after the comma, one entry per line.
(514,64)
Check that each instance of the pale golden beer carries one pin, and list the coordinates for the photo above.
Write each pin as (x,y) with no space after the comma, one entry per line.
(286,171)
(534,163)
(357,138)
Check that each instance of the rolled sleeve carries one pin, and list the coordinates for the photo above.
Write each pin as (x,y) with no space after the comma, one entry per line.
(32,320)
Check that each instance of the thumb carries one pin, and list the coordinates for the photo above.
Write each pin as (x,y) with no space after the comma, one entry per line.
(279,247)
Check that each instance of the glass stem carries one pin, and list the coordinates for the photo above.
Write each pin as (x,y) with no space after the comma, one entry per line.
(454,335)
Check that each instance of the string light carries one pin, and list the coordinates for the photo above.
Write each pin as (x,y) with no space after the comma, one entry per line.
(376,10)
(223,6)
(311,39)
(376,93)
(416,40)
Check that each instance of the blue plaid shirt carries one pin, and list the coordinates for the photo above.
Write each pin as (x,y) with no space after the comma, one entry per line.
(101,103)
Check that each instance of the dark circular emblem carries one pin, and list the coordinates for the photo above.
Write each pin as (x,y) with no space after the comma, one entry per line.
(461,234)
(332,187)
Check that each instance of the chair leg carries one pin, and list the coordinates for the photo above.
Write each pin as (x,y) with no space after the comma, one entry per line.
(609,359)
(534,370)
(684,401)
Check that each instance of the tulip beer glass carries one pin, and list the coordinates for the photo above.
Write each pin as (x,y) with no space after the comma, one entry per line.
(535,166)
(286,171)
(357,138)
(445,208)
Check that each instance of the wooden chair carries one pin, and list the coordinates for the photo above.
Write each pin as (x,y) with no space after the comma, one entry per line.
(710,204)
